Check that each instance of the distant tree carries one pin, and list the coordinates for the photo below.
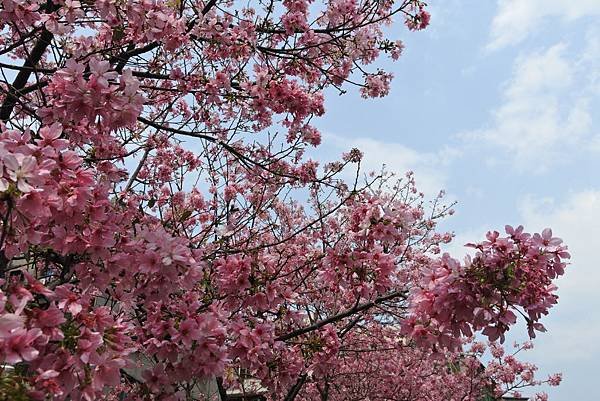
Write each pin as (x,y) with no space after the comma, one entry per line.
(161,226)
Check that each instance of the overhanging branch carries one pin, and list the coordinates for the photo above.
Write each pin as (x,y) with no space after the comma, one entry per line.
(343,315)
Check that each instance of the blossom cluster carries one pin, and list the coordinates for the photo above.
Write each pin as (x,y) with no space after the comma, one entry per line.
(94,95)
(71,348)
(163,232)
(507,275)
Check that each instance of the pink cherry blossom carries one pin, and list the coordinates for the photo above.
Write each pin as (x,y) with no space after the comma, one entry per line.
(18,346)
(20,169)
(163,228)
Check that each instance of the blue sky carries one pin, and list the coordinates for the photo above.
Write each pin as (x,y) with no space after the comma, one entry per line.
(497,103)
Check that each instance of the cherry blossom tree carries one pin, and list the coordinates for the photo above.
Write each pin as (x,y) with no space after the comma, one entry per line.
(163,231)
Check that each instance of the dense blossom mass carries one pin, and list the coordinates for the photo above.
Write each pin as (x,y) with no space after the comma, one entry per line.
(164,236)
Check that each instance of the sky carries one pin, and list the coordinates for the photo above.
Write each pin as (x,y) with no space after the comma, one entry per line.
(497,103)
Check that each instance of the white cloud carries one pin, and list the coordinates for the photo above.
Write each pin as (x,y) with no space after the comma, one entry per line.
(577,221)
(545,109)
(590,60)
(429,167)
(571,344)
(575,322)
(457,248)
(516,19)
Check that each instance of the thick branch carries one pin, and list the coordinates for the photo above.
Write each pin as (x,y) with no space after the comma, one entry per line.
(208,6)
(221,389)
(291,395)
(23,76)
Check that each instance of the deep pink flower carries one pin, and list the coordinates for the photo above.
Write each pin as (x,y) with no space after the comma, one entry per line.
(19,345)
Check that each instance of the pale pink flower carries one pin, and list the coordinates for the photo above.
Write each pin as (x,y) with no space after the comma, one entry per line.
(555,379)
(21,169)
(10,322)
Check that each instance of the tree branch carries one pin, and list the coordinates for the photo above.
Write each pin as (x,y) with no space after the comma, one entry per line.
(291,395)
(23,76)
(221,389)
(340,316)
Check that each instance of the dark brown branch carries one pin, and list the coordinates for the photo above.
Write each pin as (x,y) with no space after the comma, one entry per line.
(343,315)
(324,392)
(137,169)
(121,59)
(23,76)
(221,389)
(25,68)
(291,395)
(244,159)
(349,326)
(177,131)
(22,40)
(208,6)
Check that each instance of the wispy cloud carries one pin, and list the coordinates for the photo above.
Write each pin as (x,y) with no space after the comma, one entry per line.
(429,167)
(516,19)
(577,221)
(571,344)
(545,109)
